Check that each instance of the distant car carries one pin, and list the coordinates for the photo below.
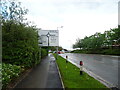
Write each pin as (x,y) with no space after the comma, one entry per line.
(59,52)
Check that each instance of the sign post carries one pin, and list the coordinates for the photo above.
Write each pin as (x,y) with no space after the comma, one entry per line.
(57,52)
(48,35)
(49,38)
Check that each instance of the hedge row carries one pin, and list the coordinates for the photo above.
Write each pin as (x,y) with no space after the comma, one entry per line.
(20,44)
(20,50)
(99,51)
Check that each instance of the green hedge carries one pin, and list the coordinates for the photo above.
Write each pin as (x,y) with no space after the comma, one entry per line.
(19,49)
(43,53)
(99,51)
(20,44)
(111,51)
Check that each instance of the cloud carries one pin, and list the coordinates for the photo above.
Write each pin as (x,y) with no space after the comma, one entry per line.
(80,18)
(119,13)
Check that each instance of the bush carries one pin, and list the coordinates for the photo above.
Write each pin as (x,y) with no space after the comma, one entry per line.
(9,72)
(43,53)
(20,45)
(111,51)
(99,51)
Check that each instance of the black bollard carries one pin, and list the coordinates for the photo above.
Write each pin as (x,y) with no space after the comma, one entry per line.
(81,72)
(81,68)
(66,59)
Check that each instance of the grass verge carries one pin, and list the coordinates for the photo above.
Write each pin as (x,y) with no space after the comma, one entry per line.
(72,79)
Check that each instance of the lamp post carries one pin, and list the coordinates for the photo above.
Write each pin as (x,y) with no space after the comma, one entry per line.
(59,27)
(48,35)
(57,46)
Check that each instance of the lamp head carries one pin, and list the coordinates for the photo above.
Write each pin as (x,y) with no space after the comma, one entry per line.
(61,26)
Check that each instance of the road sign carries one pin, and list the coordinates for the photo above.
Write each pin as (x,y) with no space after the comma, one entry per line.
(49,37)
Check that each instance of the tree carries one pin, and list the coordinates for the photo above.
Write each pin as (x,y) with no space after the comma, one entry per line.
(12,13)
(78,44)
(98,43)
(12,10)
(115,37)
(19,41)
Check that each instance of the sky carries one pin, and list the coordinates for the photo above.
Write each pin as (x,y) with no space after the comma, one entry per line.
(79,18)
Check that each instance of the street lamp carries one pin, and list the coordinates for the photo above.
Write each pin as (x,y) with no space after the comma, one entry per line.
(57,46)
(48,35)
(59,27)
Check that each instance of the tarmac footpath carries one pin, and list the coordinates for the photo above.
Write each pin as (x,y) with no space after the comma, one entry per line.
(45,75)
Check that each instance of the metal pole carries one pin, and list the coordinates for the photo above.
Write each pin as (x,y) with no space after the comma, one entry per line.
(57,52)
(48,41)
(48,44)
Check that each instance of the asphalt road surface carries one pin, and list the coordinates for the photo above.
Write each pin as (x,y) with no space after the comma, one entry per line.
(105,66)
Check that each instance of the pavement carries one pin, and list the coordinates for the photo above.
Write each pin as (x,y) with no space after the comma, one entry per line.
(44,75)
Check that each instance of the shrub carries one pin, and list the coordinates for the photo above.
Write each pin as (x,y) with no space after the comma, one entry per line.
(20,45)
(9,72)
(43,53)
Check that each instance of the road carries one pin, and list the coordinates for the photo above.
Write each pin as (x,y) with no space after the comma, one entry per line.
(105,66)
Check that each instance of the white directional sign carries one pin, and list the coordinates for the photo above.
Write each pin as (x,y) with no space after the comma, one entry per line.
(49,37)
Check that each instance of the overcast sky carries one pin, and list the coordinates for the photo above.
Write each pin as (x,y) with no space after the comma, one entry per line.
(80,18)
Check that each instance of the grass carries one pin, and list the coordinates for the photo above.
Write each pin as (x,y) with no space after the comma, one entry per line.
(72,79)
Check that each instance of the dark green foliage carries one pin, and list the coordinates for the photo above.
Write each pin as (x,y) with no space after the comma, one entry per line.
(106,43)
(43,53)
(20,45)
(111,51)
(98,51)
(53,48)
(19,42)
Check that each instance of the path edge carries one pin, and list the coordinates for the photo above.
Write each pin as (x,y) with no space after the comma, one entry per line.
(60,76)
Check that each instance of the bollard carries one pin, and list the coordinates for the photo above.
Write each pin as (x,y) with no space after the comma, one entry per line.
(66,59)
(81,68)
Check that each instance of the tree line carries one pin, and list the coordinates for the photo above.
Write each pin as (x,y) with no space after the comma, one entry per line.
(20,50)
(19,39)
(104,43)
